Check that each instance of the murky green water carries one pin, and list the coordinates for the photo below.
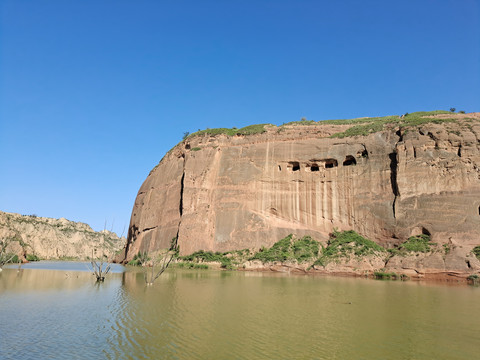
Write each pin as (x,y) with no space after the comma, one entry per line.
(63,314)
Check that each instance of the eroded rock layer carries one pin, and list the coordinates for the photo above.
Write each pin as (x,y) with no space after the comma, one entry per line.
(49,238)
(222,192)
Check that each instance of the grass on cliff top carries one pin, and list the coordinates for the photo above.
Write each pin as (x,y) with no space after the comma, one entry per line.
(362,126)
(368,125)
(247,130)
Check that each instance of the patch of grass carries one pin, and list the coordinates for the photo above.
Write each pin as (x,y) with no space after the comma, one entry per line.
(32,257)
(380,275)
(196,148)
(476,251)
(280,251)
(302,122)
(364,129)
(420,243)
(474,279)
(289,249)
(247,130)
(446,248)
(139,259)
(190,265)
(205,256)
(209,256)
(366,126)
(252,129)
(14,260)
(345,244)
(68,258)
(305,249)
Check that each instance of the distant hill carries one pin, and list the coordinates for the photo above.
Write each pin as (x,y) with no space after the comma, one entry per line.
(49,238)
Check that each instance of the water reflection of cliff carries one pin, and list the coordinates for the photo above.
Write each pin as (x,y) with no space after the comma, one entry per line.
(220,314)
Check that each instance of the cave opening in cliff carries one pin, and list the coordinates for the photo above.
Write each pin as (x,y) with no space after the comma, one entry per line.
(349,160)
(330,163)
(425,231)
(314,167)
(295,165)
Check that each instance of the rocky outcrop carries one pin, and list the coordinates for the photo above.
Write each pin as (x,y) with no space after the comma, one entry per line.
(49,238)
(435,265)
(220,192)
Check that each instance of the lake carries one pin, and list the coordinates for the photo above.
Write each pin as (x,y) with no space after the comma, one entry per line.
(55,310)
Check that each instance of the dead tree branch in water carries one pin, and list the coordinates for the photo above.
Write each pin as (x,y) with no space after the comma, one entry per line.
(4,257)
(98,268)
(159,263)
(100,265)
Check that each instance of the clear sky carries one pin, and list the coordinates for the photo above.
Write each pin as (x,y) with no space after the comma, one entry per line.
(94,92)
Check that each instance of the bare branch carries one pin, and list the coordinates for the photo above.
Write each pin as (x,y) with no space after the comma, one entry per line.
(161,262)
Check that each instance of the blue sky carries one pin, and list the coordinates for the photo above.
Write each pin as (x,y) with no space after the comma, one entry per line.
(93,93)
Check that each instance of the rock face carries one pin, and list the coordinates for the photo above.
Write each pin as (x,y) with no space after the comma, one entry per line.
(55,238)
(221,193)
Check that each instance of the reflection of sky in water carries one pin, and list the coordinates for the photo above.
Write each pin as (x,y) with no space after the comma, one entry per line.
(56,314)
(218,315)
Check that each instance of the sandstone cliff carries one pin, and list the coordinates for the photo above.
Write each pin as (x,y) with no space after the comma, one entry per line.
(55,238)
(386,178)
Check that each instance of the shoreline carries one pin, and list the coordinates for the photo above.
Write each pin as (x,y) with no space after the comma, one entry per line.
(433,277)
(427,276)
(437,277)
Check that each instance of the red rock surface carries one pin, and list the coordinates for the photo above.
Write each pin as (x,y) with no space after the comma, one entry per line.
(222,193)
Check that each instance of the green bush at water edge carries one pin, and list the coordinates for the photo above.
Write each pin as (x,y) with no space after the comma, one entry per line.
(289,249)
(31,257)
(347,243)
(209,256)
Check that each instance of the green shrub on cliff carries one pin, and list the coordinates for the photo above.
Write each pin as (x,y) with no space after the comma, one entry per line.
(209,256)
(280,251)
(139,259)
(419,243)
(476,251)
(289,249)
(305,248)
(32,257)
(381,275)
(247,130)
(190,265)
(345,244)
(366,126)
